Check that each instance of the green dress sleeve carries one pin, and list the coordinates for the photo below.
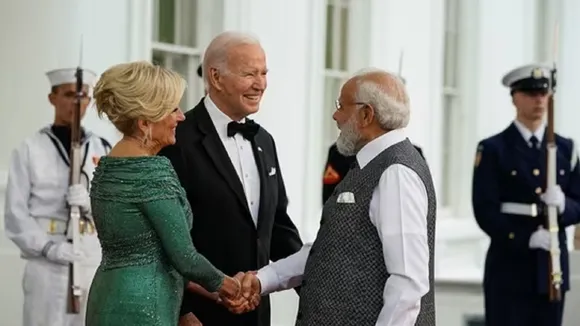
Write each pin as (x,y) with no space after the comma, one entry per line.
(167,217)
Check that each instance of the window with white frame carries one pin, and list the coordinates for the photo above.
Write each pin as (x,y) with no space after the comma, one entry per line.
(176,43)
(336,60)
(451,105)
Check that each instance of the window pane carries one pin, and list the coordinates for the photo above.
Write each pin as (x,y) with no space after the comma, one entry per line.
(451,15)
(451,58)
(344,39)
(164,17)
(447,154)
(175,22)
(337,28)
(187,25)
(332,88)
(329,35)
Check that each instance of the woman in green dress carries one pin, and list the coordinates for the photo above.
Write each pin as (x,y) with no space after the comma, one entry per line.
(140,210)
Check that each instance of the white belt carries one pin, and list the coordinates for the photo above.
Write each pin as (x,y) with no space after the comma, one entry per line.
(519,209)
(56,226)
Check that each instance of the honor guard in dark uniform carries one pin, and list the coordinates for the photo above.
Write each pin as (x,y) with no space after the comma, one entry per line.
(337,165)
(509,203)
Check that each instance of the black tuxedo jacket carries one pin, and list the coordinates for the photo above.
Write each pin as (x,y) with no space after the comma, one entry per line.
(223,230)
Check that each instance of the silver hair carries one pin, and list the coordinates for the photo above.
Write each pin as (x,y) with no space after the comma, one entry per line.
(391,102)
(216,54)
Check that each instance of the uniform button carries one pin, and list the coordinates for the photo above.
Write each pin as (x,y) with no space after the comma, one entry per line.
(536,172)
(514,172)
(511,235)
(251,203)
(539,190)
(562,172)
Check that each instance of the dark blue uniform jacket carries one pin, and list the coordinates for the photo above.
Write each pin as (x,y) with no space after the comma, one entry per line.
(508,170)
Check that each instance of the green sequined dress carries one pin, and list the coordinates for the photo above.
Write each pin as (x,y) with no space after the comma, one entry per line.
(143,220)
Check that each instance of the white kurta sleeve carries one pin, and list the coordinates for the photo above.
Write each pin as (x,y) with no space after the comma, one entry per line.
(285,273)
(20,227)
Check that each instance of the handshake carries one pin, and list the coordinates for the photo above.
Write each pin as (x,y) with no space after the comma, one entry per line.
(239,294)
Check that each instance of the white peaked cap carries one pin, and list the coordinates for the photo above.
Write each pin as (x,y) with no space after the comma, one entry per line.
(68,76)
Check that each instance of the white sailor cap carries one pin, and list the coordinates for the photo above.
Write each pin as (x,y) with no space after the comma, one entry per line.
(68,76)
(532,77)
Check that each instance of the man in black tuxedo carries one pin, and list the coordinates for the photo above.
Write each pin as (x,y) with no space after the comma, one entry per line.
(229,168)
(337,165)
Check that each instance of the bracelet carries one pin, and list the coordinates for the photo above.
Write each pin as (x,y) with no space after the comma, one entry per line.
(239,286)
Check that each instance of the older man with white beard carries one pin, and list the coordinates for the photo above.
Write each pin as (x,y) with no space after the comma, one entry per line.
(372,260)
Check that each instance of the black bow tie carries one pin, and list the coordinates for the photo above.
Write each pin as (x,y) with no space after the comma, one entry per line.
(248,130)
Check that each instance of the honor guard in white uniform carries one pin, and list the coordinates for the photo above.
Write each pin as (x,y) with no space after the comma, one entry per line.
(38,197)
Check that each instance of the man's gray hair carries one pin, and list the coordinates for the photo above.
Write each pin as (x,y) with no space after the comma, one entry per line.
(216,54)
(386,94)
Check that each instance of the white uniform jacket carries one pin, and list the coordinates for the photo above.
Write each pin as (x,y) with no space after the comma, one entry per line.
(36,213)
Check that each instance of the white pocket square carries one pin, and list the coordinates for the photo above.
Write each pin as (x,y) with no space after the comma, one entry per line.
(345,197)
(272,172)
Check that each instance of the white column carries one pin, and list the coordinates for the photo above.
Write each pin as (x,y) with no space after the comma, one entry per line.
(567,101)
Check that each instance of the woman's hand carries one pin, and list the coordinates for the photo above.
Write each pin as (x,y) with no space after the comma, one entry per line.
(231,289)
(247,300)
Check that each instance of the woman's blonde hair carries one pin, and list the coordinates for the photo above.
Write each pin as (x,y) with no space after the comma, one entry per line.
(134,91)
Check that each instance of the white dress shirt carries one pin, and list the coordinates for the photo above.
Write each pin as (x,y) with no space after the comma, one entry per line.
(398,209)
(241,154)
(527,134)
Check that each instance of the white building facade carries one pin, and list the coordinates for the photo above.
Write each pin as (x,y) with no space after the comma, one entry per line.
(453,55)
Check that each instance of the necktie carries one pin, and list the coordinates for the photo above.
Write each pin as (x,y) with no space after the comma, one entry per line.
(248,129)
(535,142)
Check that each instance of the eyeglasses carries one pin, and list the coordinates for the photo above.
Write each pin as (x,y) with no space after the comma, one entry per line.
(339,105)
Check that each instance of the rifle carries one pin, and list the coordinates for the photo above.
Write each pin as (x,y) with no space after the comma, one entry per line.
(555,275)
(74,288)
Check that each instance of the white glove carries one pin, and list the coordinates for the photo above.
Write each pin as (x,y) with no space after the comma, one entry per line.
(555,197)
(79,196)
(62,253)
(540,239)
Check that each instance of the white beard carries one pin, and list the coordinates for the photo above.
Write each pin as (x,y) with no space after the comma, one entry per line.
(348,139)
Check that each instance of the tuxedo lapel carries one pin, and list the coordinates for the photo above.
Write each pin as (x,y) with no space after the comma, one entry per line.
(261,163)
(217,152)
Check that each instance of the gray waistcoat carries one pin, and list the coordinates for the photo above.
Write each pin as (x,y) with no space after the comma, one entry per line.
(345,274)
